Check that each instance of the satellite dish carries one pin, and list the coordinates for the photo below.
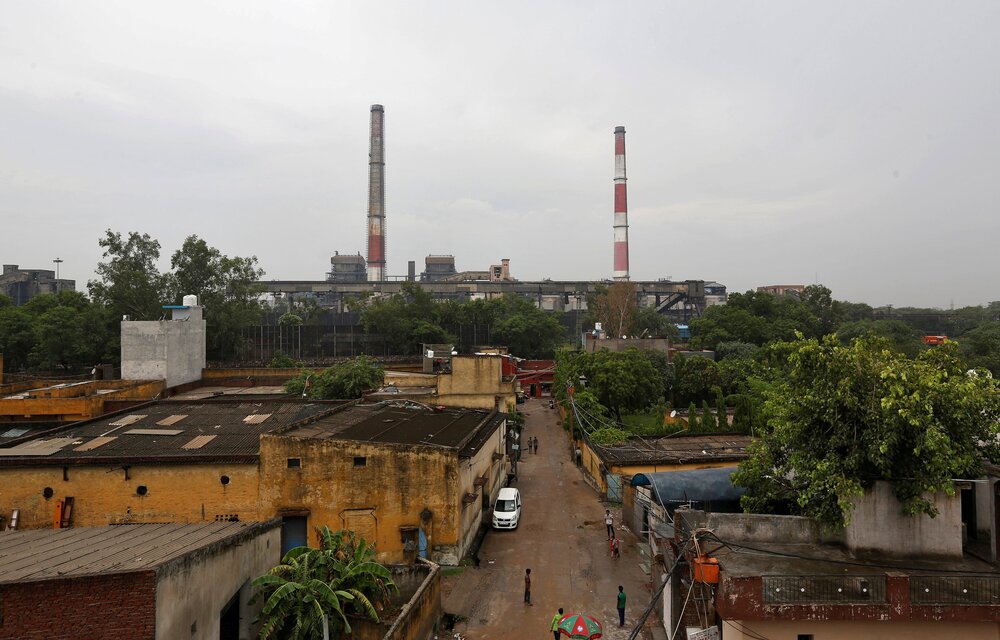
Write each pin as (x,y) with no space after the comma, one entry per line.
(673,414)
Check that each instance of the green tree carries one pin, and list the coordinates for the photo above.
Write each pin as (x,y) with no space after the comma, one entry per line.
(693,424)
(708,422)
(341,381)
(310,593)
(721,414)
(755,317)
(650,324)
(623,381)
(981,346)
(525,329)
(841,417)
(901,336)
(228,289)
(129,282)
(615,307)
(695,379)
(17,337)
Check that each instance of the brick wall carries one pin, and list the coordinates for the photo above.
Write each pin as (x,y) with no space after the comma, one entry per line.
(116,607)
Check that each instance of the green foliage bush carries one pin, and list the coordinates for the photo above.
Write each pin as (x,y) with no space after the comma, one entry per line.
(340,382)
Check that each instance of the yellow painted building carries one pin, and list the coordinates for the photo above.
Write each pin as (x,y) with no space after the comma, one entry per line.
(395,475)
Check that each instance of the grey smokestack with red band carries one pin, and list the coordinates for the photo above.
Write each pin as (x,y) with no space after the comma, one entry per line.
(376,196)
(621,208)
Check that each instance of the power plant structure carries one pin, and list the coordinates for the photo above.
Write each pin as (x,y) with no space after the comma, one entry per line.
(351,275)
(621,208)
(376,196)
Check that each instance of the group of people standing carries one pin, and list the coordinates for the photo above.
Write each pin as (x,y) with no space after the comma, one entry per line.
(531,445)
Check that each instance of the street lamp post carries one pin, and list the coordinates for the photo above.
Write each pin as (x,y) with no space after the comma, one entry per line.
(58,262)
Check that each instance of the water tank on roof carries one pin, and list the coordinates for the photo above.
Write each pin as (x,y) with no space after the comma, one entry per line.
(190,301)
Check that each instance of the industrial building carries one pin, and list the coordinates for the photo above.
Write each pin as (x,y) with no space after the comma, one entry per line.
(143,581)
(408,477)
(21,285)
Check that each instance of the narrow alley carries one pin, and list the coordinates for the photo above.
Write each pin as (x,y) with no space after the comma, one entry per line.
(562,539)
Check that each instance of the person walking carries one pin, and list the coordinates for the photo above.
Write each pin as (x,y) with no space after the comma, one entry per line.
(609,522)
(555,624)
(621,606)
(527,587)
(536,445)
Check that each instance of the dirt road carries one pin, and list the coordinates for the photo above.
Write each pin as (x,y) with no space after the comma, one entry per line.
(562,539)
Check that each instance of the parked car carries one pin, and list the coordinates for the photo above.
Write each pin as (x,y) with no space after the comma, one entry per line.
(507,509)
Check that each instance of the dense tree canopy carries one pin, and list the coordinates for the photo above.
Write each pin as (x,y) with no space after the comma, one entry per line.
(226,287)
(129,281)
(840,417)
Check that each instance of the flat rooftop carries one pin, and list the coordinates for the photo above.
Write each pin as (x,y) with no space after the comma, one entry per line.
(166,431)
(51,554)
(677,450)
(405,423)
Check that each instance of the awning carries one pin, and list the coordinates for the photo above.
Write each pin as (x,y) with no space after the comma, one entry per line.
(697,485)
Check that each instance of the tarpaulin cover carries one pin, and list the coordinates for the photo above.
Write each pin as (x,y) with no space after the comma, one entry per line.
(697,485)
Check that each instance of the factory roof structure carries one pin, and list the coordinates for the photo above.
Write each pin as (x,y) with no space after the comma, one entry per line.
(405,423)
(51,554)
(676,450)
(165,431)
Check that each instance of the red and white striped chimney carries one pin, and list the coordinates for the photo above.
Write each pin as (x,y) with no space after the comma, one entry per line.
(621,208)
(376,196)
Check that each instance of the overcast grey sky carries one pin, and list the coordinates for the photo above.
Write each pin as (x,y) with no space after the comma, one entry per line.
(768,142)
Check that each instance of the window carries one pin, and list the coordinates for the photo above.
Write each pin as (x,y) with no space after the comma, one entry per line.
(294,463)
(360,461)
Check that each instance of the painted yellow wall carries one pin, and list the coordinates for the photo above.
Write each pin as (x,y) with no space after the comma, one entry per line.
(395,485)
(392,489)
(475,382)
(102,496)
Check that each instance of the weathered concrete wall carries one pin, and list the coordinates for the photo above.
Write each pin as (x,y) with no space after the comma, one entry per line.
(878,525)
(420,597)
(191,593)
(170,350)
(754,527)
(837,630)
(175,493)
(475,382)
(474,514)
(396,484)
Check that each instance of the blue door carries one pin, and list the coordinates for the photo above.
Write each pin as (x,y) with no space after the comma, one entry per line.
(293,533)
(422,544)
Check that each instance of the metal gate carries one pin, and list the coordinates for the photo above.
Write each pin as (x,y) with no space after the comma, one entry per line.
(614,482)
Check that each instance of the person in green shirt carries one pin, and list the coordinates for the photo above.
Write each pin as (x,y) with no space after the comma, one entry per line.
(621,606)
(555,624)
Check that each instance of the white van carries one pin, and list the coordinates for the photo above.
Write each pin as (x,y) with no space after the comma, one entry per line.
(507,509)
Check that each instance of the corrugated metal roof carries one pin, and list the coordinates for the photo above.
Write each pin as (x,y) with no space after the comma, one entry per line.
(464,429)
(256,418)
(170,420)
(224,420)
(47,554)
(676,450)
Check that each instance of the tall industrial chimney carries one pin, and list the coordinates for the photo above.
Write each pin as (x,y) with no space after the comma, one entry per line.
(376,196)
(621,208)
